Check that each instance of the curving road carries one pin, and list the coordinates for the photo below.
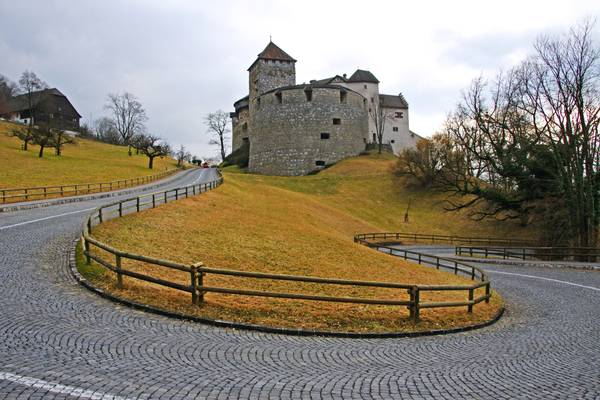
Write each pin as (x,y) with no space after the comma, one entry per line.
(57,340)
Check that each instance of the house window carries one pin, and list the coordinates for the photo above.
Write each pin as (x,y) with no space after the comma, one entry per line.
(374,137)
(365,86)
(393,141)
(320,163)
(324,135)
(51,116)
(395,129)
(343,96)
(279,98)
(308,94)
(337,121)
(399,114)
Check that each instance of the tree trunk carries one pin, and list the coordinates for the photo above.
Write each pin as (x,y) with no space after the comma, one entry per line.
(379,145)
(129,150)
(41,153)
(25,143)
(222,148)
(150,162)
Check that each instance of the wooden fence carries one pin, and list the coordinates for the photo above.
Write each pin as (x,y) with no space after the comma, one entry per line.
(197,286)
(44,192)
(586,254)
(401,237)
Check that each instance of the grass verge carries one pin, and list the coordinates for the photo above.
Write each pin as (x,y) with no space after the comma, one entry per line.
(301,226)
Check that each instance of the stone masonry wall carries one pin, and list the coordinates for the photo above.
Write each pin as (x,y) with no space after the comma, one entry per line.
(238,130)
(286,138)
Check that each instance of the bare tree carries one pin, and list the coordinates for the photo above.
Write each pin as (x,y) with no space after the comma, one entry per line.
(182,156)
(379,116)
(30,85)
(24,134)
(43,135)
(59,139)
(151,146)
(106,131)
(218,127)
(128,116)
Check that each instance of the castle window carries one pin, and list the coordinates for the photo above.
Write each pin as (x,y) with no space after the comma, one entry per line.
(372,100)
(279,97)
(365,86)
(399,114)
(245,127)
(308,94)
(337,121)
(324,135)
(343,96)
(320,163)
(393,141)
(395,129)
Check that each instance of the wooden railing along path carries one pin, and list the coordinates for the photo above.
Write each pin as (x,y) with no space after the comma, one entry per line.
(581,254)
(44,192)
(198,272)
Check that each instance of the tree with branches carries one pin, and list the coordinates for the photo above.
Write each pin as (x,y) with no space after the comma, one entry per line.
(182,156)
(379,116)
(128,116)
(151,146)
(218,126)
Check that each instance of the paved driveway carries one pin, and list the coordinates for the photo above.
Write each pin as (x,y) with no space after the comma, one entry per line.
(59,340)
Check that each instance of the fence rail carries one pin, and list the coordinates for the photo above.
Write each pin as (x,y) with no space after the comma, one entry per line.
(587,254)
(395,237)
(44,192)
(197,286)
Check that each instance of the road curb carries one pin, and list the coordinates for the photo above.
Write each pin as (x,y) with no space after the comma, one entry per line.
(262,328)
(529,263)
(76,199)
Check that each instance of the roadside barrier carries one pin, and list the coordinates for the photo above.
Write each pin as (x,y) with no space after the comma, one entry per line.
(198,272)
(44,192)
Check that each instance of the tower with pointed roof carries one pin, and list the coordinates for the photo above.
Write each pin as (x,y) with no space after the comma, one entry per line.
(272,68)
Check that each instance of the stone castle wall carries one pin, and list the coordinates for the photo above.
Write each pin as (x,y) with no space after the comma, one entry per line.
(240,128)
(287,130)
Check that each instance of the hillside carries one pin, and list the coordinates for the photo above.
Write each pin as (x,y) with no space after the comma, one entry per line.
(296,225)
(82,162)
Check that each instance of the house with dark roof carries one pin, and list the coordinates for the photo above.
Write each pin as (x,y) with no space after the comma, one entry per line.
(295,129)
(48,106)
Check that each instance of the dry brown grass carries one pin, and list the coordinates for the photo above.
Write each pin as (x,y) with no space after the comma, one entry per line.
(86,161)
(300,226)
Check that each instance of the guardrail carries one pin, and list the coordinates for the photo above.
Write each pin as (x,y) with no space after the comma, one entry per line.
(44,192)
(440,239)
(197,286)
(586,254)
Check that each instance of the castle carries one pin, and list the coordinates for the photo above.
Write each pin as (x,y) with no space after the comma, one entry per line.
(291,129)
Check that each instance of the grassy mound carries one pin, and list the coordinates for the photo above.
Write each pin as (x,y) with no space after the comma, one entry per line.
(302,226)
(85,161)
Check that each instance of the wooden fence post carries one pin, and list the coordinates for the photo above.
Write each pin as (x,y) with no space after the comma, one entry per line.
(120,209)
(194,283)
(153,200)
(119,274)
(415,299)
(137,204)
(487,293)
(100,215)
(86,245)
(89,225)
(165,197)
(470,306)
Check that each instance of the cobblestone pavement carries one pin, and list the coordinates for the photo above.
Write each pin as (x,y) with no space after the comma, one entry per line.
(57,340)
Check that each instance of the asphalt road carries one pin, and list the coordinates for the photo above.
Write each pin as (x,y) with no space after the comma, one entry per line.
(58,340)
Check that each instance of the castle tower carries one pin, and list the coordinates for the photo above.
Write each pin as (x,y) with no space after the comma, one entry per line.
(272,69)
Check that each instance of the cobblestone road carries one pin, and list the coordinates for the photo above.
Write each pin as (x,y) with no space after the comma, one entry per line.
(58,340)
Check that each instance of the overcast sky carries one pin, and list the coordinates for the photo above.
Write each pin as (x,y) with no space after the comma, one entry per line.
(185,58)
